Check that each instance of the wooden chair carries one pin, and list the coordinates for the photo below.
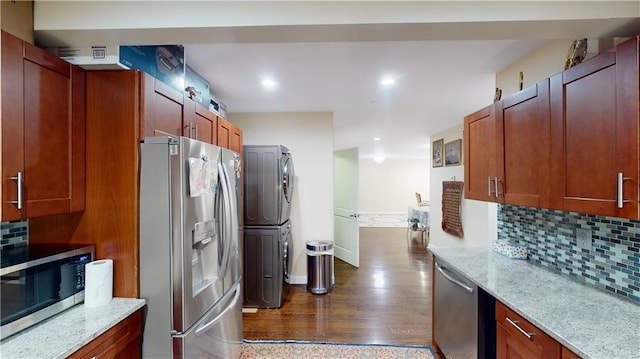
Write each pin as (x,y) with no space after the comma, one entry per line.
(419,200)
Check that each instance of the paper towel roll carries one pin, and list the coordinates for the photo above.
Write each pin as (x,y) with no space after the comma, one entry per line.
(98,285)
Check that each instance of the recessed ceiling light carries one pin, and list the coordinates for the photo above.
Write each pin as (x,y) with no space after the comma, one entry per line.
(268,83)
(386,81)
(376,138)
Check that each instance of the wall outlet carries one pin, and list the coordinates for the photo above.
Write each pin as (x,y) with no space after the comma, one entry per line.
(583,238)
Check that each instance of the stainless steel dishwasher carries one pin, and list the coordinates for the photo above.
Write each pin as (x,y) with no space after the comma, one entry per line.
(455,313)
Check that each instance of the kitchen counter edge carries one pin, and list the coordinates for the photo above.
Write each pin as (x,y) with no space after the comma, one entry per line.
(588,321)
(65,333)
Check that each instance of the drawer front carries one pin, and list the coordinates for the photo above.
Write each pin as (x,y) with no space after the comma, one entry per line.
(517,328)
(114,340)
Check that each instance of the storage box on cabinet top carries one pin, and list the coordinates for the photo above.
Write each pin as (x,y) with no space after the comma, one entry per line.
(196,87)
(164,62)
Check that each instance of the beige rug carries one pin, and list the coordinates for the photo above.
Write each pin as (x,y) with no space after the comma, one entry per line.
(314,350)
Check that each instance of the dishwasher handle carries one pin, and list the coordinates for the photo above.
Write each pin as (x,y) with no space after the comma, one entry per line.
(455,281)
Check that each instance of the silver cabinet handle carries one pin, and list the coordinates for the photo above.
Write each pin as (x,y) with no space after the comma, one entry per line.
(190,128)
(18,178)
(621,178)
(196,128)
(496,180)
(514,323)
(453,280)
(489,185)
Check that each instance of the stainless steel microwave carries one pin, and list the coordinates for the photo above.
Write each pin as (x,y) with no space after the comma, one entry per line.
(39,281)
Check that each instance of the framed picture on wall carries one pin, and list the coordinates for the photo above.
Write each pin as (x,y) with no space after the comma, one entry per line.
(453,153)
(437,149)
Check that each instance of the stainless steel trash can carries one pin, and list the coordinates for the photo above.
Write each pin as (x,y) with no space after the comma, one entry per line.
(319,267)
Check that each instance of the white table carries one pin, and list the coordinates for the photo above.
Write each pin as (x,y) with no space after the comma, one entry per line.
(421,215)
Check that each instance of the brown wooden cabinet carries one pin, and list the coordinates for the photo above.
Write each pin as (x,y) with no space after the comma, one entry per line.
(162,106)
(507,150)
(199,122)
(518,338)
(480,147)
(235,139)
(43,132)
(167,112)
(121,110)
(568,143)
(229,135)
(224,130)
(595,134)
(525,154)
(122,107)
(123,341)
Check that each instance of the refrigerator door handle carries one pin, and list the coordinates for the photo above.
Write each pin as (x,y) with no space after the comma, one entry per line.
(203,329)
(226,240)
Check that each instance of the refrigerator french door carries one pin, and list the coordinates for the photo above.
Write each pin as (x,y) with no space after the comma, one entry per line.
(189,249)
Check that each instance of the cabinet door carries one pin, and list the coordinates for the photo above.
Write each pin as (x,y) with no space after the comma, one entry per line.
(121,341)
(43,129)
(518,338)
(235,139)
(12,125)
(524,158)
(200,123)
(595,131)
(163,109)
(224,131)
(480,146)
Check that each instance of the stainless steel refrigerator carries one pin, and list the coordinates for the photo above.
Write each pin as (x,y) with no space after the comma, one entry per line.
(190,261)
(268,244)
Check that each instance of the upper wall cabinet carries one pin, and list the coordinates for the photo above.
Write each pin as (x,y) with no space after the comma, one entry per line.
(162,111)
(507,149)
(480,141)
(595,134)
(199,122)
(229,136)
(166,112)
(43,132)
(568,143)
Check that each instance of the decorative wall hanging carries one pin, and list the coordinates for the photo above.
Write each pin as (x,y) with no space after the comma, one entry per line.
(521,82)
(498,94)
(451,211)
(577,53)
(453,153)
(437,148)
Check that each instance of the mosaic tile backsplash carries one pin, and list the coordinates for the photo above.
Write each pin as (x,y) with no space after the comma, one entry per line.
(14,233)
(612,264)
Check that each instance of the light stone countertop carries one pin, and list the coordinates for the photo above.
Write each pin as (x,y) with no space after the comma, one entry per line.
(590,322)
(66,332)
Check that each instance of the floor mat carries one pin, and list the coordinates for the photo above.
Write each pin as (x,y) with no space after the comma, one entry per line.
(315,350)
(382,220)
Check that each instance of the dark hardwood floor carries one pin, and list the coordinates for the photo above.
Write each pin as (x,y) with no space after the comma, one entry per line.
(385,301)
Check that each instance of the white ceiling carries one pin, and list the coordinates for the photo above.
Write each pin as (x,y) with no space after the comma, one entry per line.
(437,83)
(443,71)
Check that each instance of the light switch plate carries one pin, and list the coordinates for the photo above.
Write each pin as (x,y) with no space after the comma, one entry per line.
(583,238)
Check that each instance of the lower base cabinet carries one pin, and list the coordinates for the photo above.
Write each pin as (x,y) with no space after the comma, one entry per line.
(516,337)
(123,341)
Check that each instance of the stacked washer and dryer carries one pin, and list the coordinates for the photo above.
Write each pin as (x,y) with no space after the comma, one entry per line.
(268,191)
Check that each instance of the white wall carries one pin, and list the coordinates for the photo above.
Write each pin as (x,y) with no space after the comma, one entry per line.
(391,186)
(541,63)
(479,219)
(309,137)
